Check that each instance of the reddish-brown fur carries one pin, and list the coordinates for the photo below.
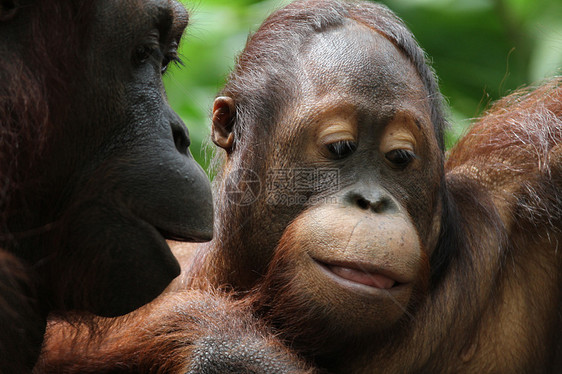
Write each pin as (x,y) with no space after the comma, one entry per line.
(33,93)
(180,332)
(30,94)
(76,123)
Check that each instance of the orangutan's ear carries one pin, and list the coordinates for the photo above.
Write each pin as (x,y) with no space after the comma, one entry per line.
(224,113)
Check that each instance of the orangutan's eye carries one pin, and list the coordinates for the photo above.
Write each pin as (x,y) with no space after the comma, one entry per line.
(400,158)
(342,148)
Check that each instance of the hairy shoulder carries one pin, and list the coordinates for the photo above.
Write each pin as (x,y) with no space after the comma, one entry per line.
(515,152)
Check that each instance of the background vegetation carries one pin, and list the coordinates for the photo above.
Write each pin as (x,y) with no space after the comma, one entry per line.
(481,50)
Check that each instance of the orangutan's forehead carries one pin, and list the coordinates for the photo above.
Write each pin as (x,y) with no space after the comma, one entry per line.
(358,59)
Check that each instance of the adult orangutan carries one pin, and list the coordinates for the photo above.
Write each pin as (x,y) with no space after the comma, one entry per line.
(362,248)
(95,170)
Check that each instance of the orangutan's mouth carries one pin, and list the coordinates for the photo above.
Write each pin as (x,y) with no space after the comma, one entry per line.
(375,280)
(362,274)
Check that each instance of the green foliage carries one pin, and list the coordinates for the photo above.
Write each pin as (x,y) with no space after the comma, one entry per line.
(481,51)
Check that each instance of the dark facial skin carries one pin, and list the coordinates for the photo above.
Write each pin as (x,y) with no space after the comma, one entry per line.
(119,169)
(359,252)
(366,251)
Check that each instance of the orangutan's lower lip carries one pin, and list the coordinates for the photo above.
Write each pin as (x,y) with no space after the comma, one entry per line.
(367,278)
